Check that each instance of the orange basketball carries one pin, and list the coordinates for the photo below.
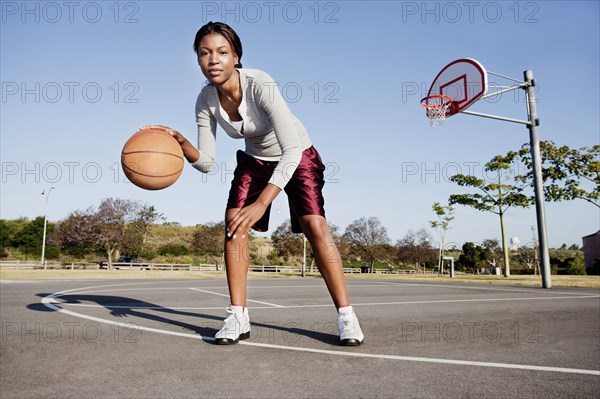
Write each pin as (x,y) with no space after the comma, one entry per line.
(152,159)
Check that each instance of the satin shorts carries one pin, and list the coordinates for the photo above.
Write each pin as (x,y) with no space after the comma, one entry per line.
(304,190)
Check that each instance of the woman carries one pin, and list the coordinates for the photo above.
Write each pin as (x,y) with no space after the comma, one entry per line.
(278,156)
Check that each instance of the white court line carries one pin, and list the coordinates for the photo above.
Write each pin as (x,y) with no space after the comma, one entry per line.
(274,306)
(443,284)
(371,285)
(426,359)
(48,302)
(247,300)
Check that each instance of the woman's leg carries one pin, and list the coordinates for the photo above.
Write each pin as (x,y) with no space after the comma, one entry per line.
(329,263)
(327,257)
(237,262)
(237,259)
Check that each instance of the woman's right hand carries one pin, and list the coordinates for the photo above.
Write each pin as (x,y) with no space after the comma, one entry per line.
(176,135)
(190,152)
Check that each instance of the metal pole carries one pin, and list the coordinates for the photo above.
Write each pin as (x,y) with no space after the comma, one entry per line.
(45,224)
(304,256)
(537,179)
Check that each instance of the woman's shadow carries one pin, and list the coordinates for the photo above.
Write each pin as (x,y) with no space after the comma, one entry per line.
(120,306)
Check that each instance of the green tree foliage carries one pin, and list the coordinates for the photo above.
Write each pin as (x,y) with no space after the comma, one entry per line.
(29,238)
(138,227)
(473,257)
(173,249)
(575,266)
(568,174)
(367,239)
(564,261)
(208,239)
(8,230)
(493,196)
(286,243)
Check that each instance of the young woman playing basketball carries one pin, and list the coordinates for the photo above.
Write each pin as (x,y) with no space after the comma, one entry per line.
(278,156)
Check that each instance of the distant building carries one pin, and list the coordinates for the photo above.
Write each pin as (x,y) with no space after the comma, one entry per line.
(591,249)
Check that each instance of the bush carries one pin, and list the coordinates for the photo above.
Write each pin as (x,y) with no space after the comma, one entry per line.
(575,266)
(173,250)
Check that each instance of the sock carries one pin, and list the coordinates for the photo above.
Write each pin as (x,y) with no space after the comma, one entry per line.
(345,310)
(237,309)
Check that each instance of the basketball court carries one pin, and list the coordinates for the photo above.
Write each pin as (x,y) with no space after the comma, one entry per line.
(154,339)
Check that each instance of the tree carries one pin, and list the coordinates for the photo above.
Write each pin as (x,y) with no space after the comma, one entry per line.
(416,248)
(473,256)
(495,197)
(116,225)
(367,238)
(137,229)
(110,225)
(528,255)
(29,238)
(287,243)
(565,171)
(8,230)
(208,239)
(492,245)
(442,225)
(75,234)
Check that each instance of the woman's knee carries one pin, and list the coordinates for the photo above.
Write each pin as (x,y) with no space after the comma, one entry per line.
(315,227)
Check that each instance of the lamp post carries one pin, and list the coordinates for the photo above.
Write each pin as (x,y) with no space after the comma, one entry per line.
(45,224)
(303,256)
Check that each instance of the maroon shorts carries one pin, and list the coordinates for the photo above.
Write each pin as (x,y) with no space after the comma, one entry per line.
(304,190)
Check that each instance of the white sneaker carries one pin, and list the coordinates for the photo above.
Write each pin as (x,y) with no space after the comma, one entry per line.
(350,332)
(235,327)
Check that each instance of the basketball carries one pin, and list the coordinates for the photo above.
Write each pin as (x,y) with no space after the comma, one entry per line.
(152,159)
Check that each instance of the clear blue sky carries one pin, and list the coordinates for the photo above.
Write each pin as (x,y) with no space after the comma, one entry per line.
(78,78)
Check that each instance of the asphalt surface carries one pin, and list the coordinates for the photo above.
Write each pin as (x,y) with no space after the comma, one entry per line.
(153,339)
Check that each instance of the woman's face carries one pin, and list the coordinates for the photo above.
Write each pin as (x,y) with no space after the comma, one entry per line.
(216,58)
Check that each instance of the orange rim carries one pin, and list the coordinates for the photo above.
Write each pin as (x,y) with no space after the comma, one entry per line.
(438,101)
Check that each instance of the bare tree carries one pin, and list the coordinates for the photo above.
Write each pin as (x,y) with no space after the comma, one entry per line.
(367,239)
(492,245)
(116,225)
(415,248)
(442,225)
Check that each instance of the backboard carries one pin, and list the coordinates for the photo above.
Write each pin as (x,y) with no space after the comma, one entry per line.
(465,80)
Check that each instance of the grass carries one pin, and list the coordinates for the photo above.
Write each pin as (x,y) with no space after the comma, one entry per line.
(61,274)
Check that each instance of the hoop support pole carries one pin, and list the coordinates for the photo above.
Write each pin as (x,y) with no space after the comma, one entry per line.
(511,88)
(502,76)
(537,179)
(501,118)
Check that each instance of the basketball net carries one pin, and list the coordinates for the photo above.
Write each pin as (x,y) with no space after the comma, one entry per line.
(436,108)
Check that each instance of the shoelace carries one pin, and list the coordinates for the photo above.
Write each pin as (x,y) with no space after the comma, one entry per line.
(230,320)
(348,320)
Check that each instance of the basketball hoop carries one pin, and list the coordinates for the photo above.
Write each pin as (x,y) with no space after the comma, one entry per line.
(436,108)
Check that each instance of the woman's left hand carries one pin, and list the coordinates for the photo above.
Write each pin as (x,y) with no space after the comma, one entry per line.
(242,221)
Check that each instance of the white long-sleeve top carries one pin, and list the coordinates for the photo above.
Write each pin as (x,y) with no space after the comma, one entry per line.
(270,130)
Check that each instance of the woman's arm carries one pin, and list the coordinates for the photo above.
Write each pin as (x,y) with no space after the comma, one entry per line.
(190,152)
(241,222)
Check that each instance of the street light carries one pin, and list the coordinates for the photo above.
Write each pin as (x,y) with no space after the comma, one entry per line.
(45,223)
(303,256)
